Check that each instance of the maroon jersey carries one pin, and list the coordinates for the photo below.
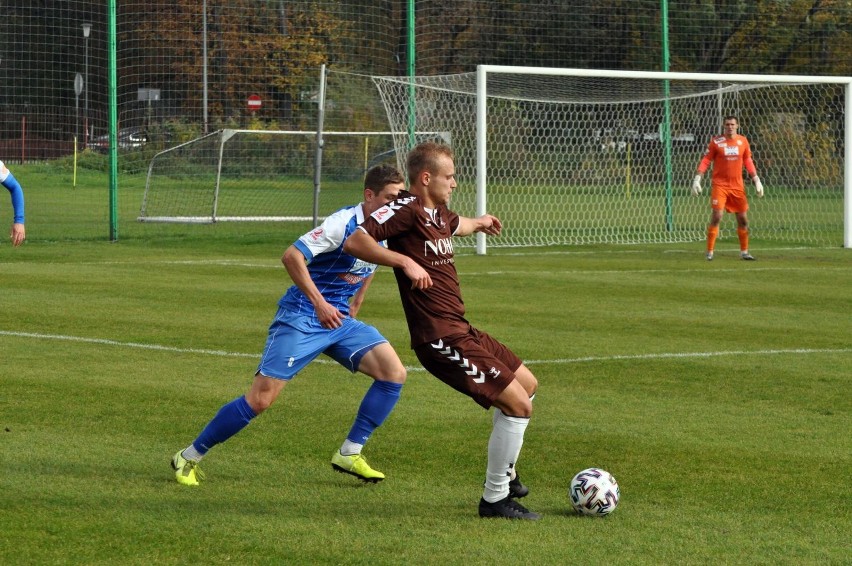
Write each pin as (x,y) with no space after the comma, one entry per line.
(426,236)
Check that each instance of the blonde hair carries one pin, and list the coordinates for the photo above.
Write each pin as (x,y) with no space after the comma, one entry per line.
(424,157)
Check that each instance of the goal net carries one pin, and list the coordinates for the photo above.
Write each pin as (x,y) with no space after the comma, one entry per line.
(568,156)
(261,175)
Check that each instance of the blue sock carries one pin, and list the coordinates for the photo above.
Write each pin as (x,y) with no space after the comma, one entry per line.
(231,419)
(378,403)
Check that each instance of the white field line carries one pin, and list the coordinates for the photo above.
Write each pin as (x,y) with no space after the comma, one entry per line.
(107,342)
(486,273)
(674,355)
(558,361)
(499,252)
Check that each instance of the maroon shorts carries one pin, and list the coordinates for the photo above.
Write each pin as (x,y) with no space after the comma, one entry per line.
(474,364)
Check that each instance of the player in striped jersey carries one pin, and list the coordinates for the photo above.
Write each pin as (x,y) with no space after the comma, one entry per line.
(317,316)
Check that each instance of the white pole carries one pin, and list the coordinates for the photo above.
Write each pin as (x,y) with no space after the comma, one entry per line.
(320,144)
(481,132)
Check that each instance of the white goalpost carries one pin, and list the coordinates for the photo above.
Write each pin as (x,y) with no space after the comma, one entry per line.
(573,156)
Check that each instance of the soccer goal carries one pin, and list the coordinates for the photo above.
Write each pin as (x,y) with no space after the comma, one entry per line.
(571,156)
(261,175)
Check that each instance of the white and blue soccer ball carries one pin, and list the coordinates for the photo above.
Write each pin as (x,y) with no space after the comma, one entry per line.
(594,492)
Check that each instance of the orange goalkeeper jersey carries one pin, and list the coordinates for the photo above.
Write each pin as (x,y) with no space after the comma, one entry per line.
(728,157)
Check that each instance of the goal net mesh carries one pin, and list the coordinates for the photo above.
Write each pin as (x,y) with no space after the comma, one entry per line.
(582,160)
(256,175)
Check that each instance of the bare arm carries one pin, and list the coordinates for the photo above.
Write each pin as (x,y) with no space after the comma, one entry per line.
(294,261)
(358,299)
(486,223)
(363,246)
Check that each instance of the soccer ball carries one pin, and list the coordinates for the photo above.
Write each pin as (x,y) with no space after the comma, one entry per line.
(594,492)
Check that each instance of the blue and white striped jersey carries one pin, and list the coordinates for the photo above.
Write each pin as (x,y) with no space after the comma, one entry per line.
(337,275)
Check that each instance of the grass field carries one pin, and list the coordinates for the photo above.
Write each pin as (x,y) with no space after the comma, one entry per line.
(718,395)
(57,210)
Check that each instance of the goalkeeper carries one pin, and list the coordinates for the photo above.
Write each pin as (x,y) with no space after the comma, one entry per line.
(18,233)
(316,316)
(728,154)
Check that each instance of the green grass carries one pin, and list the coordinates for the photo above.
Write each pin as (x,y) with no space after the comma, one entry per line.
(60,210)
(716,393)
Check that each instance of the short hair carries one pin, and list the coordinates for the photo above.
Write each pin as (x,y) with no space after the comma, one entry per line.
(380,176)
(424,157)
(730,117)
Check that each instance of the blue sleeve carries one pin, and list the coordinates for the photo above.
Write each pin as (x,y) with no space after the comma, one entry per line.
(17,197)
(306,251)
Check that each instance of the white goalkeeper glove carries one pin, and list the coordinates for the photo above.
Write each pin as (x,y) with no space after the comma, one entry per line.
(696,185)
(758,186)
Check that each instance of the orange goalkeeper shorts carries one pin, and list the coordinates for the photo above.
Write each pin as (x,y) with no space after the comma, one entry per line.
(728,200)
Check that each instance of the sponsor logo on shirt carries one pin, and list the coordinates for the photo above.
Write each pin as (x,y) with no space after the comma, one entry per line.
(442,249)
(432,218)
(359,271)
(316,234)
(352,278)
(361,266)
(732,150)
(384,213)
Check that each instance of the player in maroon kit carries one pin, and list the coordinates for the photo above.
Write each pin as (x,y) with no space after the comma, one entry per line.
(419,230)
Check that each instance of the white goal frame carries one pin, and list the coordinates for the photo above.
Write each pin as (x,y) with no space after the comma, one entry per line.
(483,72)
(218,141)
(224,135)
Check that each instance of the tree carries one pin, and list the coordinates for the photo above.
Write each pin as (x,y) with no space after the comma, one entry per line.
(271,49)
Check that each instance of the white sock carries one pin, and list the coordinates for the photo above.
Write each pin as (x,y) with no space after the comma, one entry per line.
(504,446)
(514,472)
(190,453)
(350,448)
(497,414)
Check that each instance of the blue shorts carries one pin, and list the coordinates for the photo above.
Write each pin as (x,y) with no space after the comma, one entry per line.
(295,340)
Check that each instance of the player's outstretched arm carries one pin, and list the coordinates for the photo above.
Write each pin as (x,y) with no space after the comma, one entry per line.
(363,246)
(486,224)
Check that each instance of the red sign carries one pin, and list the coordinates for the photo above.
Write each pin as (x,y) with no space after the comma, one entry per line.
(253,103)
